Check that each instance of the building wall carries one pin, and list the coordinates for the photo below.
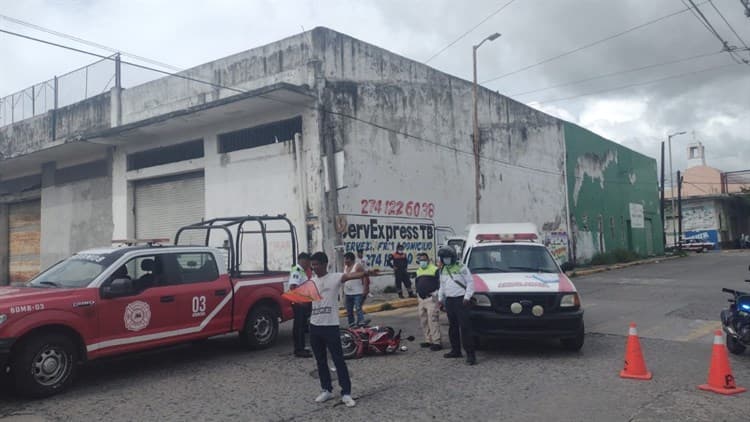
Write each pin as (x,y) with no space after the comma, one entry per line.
(425,155)
(604,179)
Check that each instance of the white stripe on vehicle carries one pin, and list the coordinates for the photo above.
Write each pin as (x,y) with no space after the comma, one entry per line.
(182,331)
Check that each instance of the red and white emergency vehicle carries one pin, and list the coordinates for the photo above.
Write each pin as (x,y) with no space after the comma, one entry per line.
(521,290)
(110,301)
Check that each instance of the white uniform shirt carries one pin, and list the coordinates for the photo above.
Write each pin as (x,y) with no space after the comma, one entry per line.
(353,287)
(325,312)
(449,288)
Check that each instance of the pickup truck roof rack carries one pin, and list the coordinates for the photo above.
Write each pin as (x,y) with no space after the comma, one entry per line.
(235,229)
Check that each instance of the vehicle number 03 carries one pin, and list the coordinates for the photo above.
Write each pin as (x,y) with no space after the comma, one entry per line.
(199,304)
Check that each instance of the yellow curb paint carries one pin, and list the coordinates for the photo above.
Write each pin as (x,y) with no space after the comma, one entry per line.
(704,330)
(378,307)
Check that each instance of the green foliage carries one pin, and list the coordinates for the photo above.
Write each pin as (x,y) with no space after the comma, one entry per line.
(614,257)
(390,289)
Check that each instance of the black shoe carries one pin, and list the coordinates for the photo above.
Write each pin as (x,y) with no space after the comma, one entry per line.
(436,347)
(400,295)
(425,345)
(471,360)
(452,354)
(364,323)
(303,353)
(411,294)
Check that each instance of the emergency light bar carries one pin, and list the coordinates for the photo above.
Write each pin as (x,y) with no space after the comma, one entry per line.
(131,242)
(506,237)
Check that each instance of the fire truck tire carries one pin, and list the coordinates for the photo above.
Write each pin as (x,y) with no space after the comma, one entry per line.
(734,346)
(44,364)
(261,327)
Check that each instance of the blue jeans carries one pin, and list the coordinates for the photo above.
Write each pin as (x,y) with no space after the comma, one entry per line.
(354,303)
(324,338)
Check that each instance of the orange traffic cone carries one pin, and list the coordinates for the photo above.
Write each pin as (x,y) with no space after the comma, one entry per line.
(635,366)
(720,378)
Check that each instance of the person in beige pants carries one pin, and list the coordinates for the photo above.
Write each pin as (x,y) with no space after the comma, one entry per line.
(428,283)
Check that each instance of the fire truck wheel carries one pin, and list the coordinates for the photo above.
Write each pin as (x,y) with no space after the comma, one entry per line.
(44,364)
(261,327)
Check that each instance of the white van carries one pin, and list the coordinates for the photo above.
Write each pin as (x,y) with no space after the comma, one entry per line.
(521,291)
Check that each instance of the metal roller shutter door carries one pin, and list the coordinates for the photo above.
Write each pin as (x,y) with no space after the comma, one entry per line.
(164,205)
(24,232)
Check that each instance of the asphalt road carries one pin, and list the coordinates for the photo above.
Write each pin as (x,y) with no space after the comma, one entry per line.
(675,304)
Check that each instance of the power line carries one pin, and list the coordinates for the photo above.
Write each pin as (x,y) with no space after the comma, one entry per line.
(469,31)
(591,44)
(87,42)
(701,17)
(728,24)
(606,75)
(679,75)
(315,108)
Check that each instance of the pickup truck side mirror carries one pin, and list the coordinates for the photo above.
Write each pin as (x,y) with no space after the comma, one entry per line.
(567,266)
(118,287)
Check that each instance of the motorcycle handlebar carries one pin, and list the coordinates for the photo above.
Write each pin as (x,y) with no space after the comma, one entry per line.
(728,290)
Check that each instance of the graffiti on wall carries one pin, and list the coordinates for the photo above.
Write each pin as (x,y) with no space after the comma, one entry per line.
(557,243)
(703,235)
(698,217)
(379,236)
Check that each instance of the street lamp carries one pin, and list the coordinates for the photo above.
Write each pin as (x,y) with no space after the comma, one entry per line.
(477,195)
(671,185)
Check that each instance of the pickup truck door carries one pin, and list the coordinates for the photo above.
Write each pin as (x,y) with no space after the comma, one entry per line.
(204,297)
(141,319)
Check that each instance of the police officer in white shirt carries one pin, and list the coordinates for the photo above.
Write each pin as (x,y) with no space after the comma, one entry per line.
(456,290)
(324,327)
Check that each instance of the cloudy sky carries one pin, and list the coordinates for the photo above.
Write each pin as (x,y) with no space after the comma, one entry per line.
(712,100)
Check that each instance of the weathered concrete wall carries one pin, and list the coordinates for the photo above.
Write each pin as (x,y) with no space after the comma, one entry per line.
(25,136)
(75,216)
(90,115)
(604,179)
(522,149)
(287,60)
(4,249)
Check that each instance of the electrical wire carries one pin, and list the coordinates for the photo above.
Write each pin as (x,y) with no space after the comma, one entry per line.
(469,31)
(744,44)
(679,75)
(591,44)
(87,42)
(621,72)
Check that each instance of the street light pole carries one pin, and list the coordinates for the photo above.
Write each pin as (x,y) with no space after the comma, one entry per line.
(671,185)
(475,140)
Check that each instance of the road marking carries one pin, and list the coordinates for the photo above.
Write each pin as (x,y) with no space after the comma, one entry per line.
(706,328)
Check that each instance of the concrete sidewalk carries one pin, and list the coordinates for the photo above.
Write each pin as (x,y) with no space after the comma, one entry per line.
(379,301)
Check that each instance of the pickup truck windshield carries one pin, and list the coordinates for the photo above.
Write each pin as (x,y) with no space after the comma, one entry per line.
(511,258)
(76,271)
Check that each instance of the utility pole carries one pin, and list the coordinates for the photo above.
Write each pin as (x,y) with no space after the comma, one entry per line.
(661,201)
(475,138)
(679,207)
(671,185)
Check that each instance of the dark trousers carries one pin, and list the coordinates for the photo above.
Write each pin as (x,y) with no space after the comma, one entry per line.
(403,278)
(300,326)
(459,328)
(327,337)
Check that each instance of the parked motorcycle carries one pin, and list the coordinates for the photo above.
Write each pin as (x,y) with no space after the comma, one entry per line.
(360,341)
(736,320)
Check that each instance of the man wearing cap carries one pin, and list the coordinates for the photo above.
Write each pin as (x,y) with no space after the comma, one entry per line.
(428,283)
(400,263)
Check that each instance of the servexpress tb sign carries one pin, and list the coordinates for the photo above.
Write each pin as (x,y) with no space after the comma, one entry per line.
(379,236)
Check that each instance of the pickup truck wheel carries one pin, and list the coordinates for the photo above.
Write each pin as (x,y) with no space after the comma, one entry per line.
(44,365)
(574,344)
(261,327)
(734,346)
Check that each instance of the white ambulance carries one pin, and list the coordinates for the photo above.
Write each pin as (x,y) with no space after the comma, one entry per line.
(521,290)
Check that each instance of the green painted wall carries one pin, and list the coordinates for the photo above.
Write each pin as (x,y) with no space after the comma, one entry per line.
(604,178)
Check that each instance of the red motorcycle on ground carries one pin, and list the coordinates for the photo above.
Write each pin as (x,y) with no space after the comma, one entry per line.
(359,341)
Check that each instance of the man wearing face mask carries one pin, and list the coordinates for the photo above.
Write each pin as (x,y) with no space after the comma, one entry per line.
(400,263)
(456,290)
(428,283)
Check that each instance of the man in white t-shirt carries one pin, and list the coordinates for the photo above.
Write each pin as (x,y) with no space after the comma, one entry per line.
(324,328)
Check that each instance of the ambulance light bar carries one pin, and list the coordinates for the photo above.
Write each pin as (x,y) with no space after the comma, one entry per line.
(507,237)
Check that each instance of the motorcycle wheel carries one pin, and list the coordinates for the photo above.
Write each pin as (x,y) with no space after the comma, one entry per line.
(734,346)
(349,343)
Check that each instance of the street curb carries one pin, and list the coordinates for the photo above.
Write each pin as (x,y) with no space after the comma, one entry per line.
(385,306)
(620,266)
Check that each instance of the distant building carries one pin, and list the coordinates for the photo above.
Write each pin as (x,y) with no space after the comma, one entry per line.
(711,208)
